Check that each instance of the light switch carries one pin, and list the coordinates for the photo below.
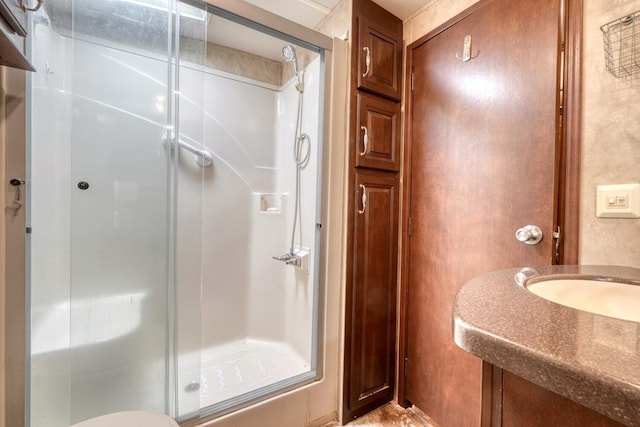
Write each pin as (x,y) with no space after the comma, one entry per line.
(621,201)
(618,201)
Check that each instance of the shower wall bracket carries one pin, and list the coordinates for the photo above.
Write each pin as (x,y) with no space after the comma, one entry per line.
(299,259)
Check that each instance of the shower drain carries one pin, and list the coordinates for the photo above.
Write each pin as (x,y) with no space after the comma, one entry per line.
(191,387)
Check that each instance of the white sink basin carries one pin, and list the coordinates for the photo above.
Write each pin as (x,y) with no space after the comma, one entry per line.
(613,299)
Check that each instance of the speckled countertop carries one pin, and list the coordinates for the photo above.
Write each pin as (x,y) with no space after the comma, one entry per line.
(589,358)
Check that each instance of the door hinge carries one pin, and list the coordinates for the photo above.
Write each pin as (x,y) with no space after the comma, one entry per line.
(406,366)
(409,226)
(556,235)
(413,78)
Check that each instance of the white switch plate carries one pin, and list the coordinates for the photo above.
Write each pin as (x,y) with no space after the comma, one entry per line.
(618,201)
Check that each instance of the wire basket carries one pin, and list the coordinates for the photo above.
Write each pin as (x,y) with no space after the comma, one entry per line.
(622,45)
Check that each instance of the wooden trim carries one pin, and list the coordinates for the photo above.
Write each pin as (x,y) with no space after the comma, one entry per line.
(569,213)
(345,413)
(404,232)
(491,413)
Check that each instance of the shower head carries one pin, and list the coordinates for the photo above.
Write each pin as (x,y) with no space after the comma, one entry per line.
(289,54)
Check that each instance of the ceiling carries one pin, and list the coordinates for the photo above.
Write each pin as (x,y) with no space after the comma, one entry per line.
(310,12)
(305,12)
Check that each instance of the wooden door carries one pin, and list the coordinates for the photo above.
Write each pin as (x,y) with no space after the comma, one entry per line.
(481,164)
(370,341)
(378,127)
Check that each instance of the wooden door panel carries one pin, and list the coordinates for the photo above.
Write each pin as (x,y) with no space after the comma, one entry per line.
(371,332)
(380,119)
(382,44)
(481,165)
(526,404)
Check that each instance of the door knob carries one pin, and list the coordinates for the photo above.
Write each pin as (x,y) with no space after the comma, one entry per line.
(529,235)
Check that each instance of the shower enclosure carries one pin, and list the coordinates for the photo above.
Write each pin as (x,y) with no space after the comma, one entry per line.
(175,156)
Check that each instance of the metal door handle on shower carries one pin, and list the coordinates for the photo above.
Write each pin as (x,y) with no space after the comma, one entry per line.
(365,140)
(364,199)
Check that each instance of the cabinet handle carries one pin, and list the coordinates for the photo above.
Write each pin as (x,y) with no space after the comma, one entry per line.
(31,9)
(364,199)
(365,140)
(367,61)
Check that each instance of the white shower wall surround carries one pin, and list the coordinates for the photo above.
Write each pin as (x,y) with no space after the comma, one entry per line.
(102,112)
(256,138)
(246,295)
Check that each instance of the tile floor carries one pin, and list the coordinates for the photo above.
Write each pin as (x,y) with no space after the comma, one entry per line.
(391,415)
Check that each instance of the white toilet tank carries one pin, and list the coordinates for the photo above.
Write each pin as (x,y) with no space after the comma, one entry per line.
(129,419)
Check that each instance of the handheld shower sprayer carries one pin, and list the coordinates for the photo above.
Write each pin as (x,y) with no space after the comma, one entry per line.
(301,156)
(289,54)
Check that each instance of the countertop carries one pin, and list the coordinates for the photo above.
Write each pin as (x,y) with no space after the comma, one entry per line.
(591,359)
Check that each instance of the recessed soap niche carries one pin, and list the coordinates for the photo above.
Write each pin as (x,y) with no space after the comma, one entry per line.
(271,202)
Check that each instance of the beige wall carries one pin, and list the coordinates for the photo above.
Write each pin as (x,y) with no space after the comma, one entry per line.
(610,127)
(338,23)
(431,15)
(3,282)
(244,64)
(610,141)
(12,299)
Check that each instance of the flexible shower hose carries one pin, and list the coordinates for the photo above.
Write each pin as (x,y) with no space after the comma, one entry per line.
(301,155)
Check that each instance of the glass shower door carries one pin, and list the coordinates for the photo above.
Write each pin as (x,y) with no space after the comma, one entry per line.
(103,174)
(260,206)
(120,234)
(193,166)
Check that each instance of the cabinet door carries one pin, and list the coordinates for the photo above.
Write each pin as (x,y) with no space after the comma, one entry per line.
(12,33)
(527,404)
(16,17)
(380,50)
(371,294)
(378,133)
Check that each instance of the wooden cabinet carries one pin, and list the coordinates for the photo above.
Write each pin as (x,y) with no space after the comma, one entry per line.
(15,16)
(379,54)
(526,404)
(378,142)
(374,162)
(371,302)
(13,30)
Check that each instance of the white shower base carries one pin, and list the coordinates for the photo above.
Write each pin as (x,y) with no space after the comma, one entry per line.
(238,367)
